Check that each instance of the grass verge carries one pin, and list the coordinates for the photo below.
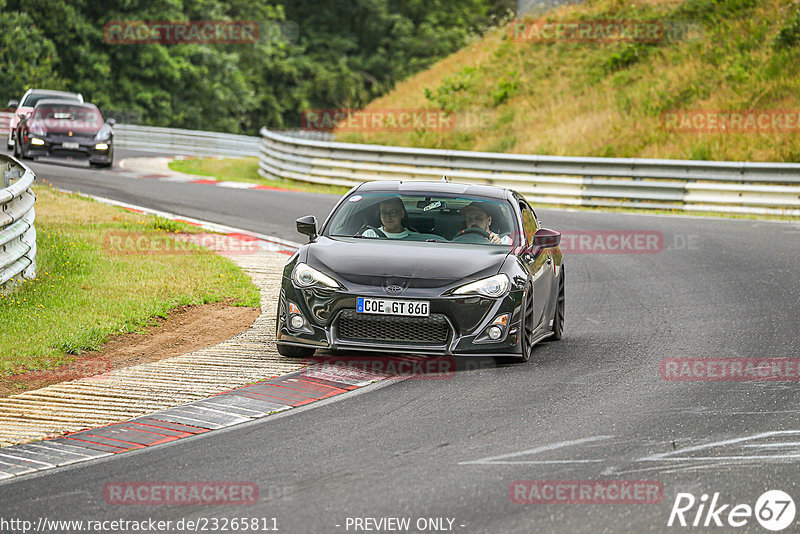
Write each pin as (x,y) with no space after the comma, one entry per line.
(610,98)
(86,289)
(245,170)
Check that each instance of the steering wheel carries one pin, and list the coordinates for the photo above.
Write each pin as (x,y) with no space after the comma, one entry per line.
(472,235)
(366,227)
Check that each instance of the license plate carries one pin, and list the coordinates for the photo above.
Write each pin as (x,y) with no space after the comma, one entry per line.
(70,145)
(413,308)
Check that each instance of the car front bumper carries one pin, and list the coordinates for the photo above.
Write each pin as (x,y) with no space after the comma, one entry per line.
(456,325)
(54,148)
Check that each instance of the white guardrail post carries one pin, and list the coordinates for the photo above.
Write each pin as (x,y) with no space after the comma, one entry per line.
(17,233)
(715,186)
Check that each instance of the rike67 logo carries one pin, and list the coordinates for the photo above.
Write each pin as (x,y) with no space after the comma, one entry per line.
(774,510)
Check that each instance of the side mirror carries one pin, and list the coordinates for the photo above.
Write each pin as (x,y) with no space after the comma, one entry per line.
(23,117)
(12,105)
(307,225)
(111,122)
(546,238)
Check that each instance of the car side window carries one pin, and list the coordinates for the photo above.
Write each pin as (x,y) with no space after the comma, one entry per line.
(528,222)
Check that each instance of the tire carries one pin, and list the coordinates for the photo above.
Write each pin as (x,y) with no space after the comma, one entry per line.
(558,315)
(527,326)
(290,351)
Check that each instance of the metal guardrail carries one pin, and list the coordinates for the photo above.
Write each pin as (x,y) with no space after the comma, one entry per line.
(17,233)
(196,142)
(189,142)
(715,186)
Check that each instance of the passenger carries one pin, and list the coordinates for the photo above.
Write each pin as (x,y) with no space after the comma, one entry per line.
(476,215)
(392,212)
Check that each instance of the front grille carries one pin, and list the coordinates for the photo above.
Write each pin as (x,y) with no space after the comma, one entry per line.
(354,326)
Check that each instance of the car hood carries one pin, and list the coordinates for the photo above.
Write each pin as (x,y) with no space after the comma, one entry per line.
(419,264)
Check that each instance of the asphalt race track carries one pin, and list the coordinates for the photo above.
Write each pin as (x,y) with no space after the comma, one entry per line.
(593,406)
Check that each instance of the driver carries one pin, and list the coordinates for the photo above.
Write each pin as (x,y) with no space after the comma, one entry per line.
(392,212)
(476,215)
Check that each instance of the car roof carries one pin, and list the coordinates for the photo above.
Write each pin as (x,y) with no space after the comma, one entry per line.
(53,92)
(400,186)
(50,101)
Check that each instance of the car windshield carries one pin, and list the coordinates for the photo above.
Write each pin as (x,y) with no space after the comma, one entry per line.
(67,117)
(436,218)
(32,99)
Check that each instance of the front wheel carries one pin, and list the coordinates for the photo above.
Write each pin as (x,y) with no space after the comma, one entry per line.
(527,326)
(558,316)
(291,351)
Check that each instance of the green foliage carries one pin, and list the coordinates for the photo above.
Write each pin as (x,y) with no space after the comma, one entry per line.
(710,11)
(310,54)
(27,56)
(453,94)
(624,57)
(169,225)
(789,34)
(506,88)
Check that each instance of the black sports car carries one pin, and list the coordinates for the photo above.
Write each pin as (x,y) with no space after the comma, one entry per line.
(58,128)
(423,268)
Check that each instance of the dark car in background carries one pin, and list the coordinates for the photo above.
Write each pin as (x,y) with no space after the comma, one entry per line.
(28,101)
(433,282)
(57,128)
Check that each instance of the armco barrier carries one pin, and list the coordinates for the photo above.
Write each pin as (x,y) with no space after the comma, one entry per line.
(17,234)
(195,142)
(189,142)
(718,186)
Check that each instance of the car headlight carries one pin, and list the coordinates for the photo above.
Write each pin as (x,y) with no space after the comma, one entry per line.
(36,141)
(494,286)
(101,146)
(103,134)
(305,276)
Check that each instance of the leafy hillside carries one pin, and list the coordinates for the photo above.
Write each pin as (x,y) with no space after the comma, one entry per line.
(610,98)
(306,54)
